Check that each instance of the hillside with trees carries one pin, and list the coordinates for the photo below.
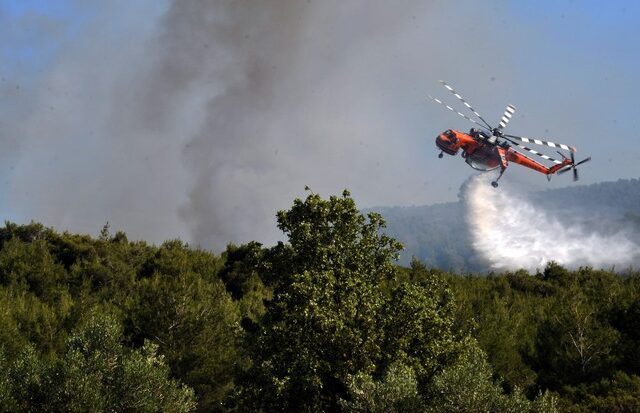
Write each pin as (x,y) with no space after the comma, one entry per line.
(324,322)
(438,236)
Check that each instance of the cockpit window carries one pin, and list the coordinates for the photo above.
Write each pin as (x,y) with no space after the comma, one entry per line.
(452,136)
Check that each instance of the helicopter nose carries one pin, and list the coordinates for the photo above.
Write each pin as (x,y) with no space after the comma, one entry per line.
(445,145)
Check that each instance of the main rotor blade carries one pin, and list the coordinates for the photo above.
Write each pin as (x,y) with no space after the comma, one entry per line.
(545,143)
(506,117)
(542,155)
(461,114)
(456,94)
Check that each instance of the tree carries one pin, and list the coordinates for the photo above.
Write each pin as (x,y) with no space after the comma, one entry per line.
(7,402)
(97,373)
(30,265)
(185,308)
(467,386)
(240,275)
(321,326)
(418,320)
(575,343)
(332,306)
(618,394)
(396,391)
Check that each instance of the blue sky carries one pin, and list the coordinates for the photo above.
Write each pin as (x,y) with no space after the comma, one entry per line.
(34,30)
(61,9)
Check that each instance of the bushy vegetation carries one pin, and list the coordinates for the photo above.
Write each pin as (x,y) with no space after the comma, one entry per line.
(324,322)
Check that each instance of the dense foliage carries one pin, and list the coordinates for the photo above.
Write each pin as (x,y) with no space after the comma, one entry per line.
(324,322)
(571,332)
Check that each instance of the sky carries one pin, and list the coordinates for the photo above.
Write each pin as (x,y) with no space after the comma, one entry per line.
(200,119)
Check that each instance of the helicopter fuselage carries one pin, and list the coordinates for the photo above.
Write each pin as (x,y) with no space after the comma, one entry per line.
(485,153)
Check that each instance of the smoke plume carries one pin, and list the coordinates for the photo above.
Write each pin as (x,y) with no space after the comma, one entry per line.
(201,119)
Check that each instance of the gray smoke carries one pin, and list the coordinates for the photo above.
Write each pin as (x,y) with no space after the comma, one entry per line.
(205,120)
(278,120)
(90,150)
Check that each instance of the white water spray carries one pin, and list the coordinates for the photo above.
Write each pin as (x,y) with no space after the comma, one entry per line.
(511,233)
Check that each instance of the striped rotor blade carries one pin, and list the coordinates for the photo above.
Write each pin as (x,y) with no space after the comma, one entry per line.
(545,143)
(506,117)
(522,154)
(461,114)
(456,94)
(533,151)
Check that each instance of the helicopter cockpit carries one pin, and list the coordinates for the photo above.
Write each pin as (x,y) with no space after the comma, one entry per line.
(448,142)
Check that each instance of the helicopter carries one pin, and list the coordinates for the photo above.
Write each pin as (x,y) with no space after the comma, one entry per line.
(489,148)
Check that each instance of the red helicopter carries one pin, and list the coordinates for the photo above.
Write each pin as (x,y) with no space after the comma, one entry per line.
(490,148)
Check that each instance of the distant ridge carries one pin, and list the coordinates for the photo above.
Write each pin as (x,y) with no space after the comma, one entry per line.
(437,235)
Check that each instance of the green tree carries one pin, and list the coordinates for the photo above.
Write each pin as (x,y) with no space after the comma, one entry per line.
(332,306)
(184,307)
(197,327)
(575,343)
(26,319)
(7,401)
(618,394)
(98,373)
(241,277)
(467,386)
(396,391)
(417,322)
(30,265)
(321,326)
(29,382)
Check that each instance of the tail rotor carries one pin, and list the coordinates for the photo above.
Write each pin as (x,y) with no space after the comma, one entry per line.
(573,166)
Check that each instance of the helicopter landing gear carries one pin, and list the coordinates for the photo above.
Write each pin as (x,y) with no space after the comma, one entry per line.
(494,184)
(440,155)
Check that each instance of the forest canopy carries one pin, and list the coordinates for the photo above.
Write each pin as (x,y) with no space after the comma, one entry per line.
(327,321)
